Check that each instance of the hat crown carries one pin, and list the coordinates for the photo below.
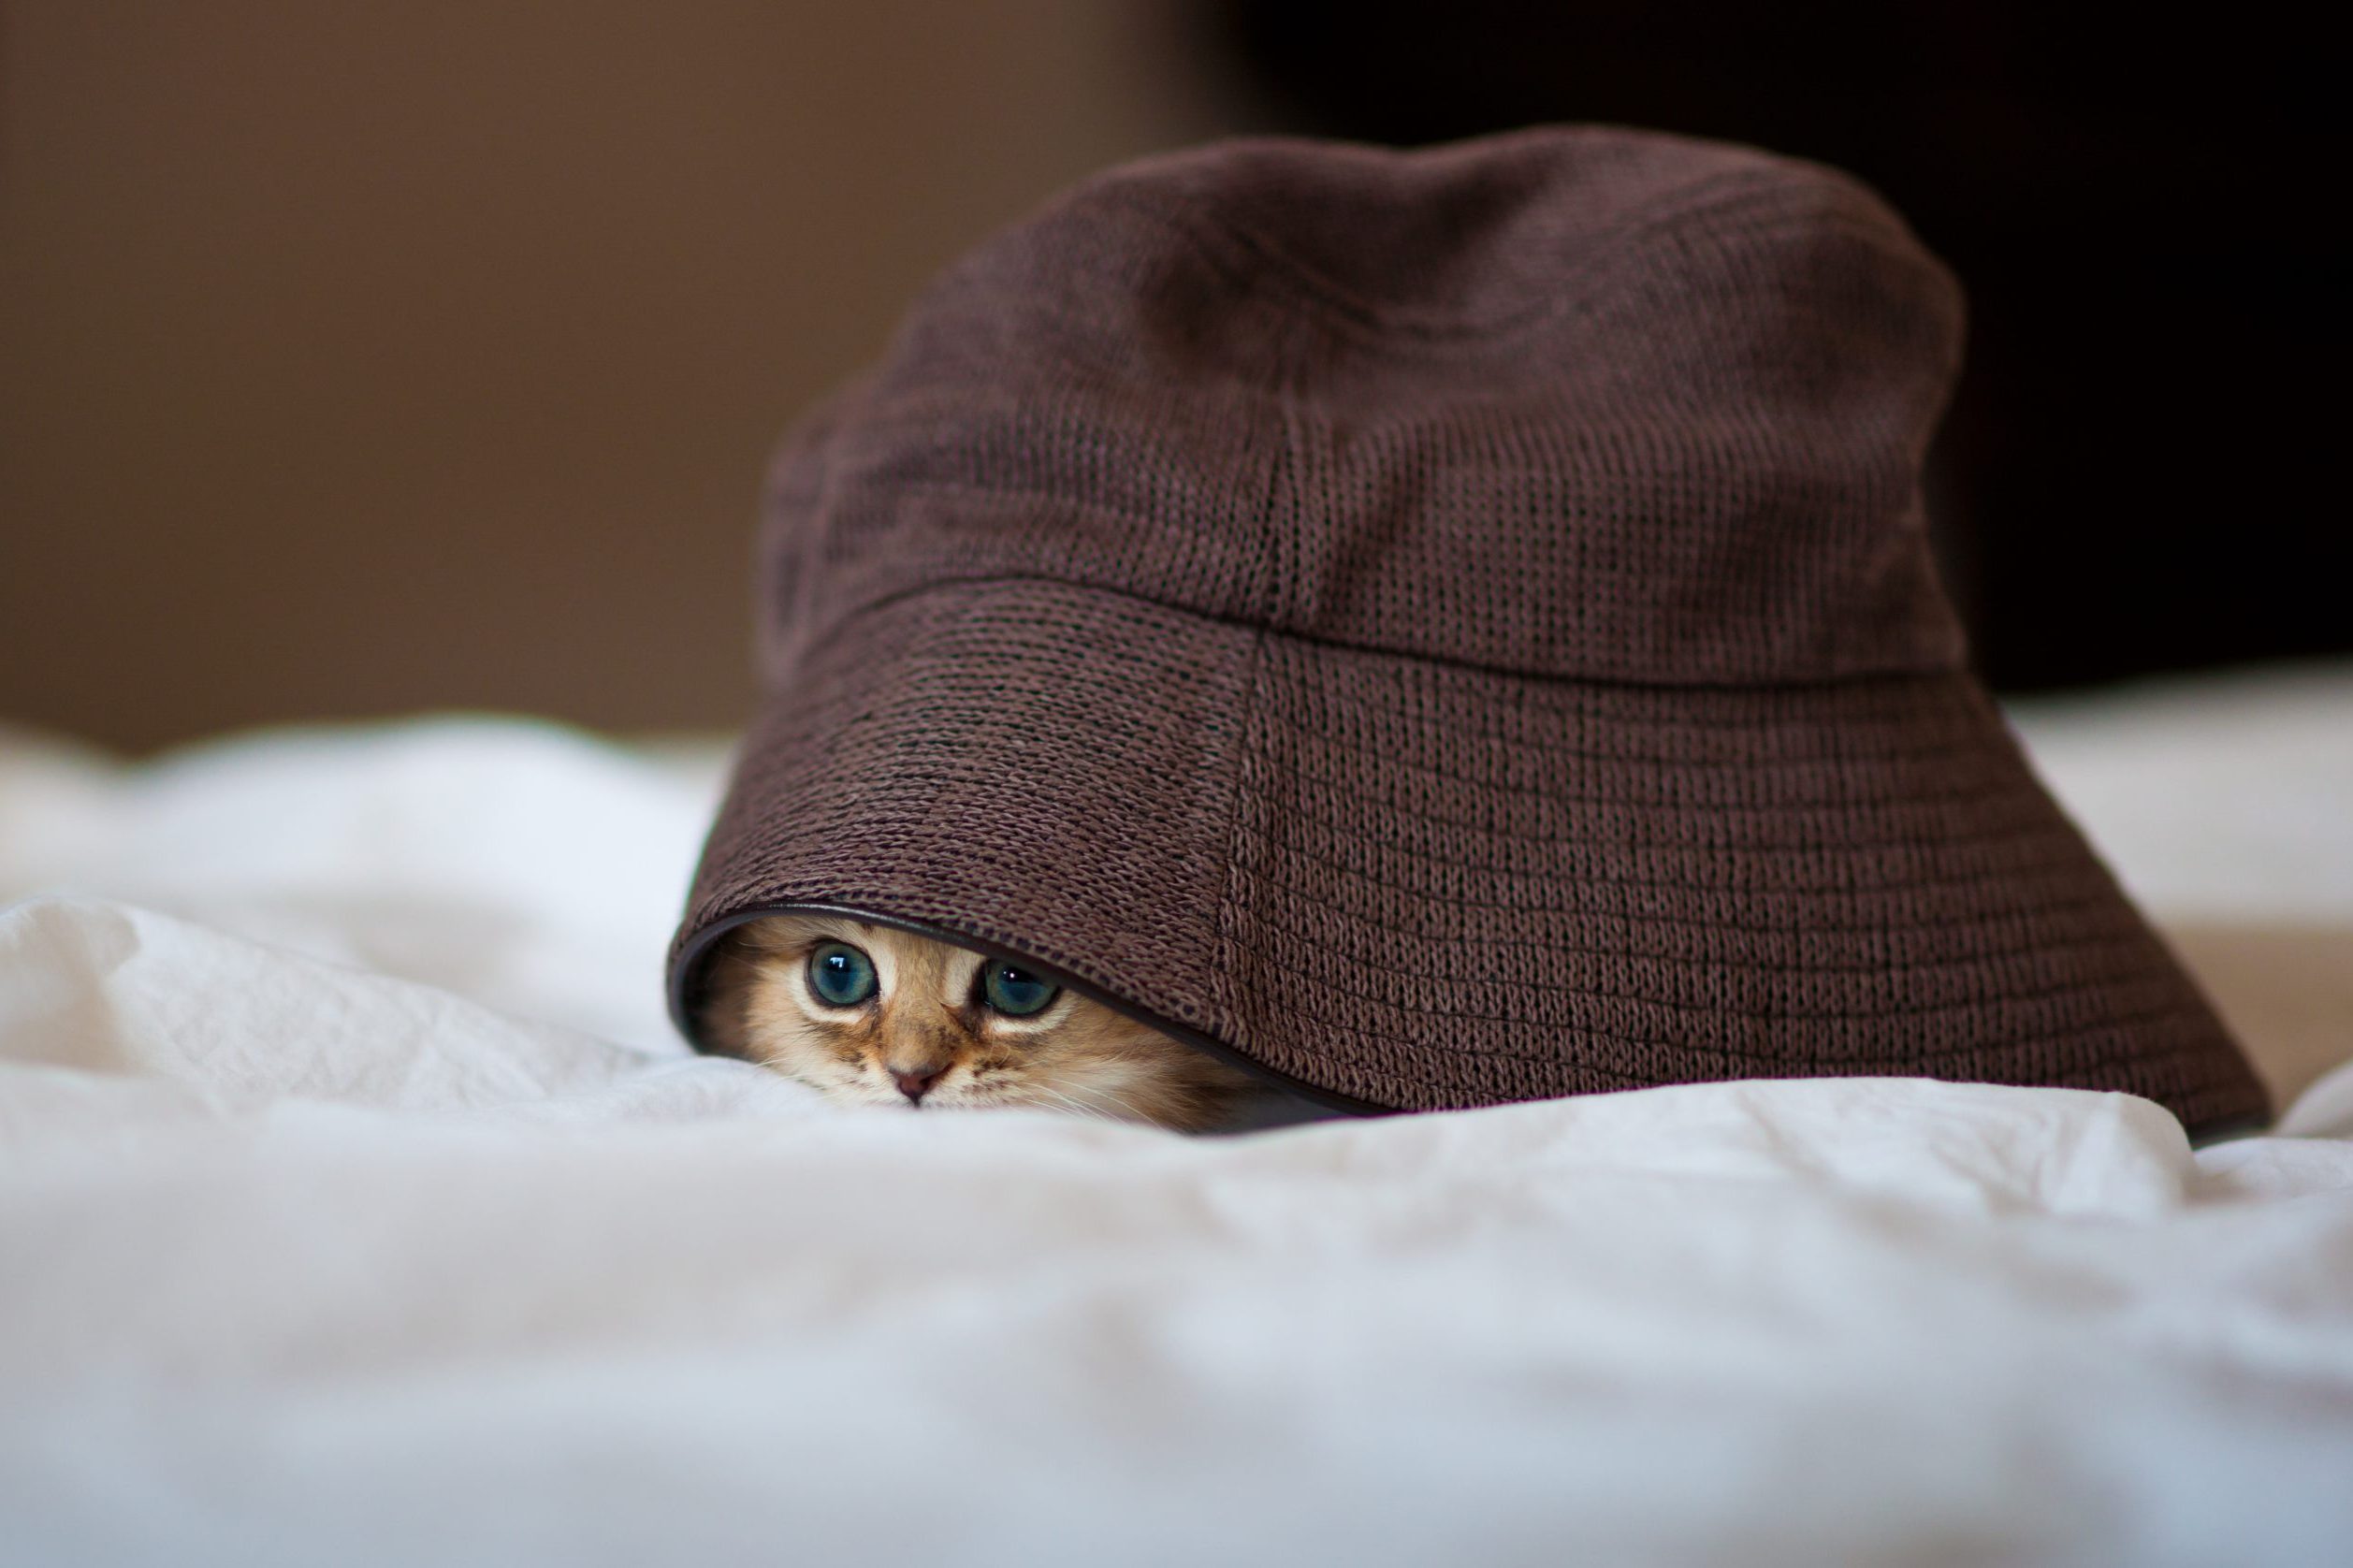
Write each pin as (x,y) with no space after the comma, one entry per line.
(1580,403)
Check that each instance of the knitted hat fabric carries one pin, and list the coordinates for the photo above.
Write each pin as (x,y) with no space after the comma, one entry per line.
(1442,628)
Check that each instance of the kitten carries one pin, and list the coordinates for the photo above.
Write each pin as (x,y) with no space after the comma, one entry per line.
(871,1015)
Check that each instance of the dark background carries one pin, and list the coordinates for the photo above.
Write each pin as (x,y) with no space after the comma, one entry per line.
(2140,472)
(358,360)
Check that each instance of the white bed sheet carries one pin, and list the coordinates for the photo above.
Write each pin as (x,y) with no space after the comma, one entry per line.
(356,1206)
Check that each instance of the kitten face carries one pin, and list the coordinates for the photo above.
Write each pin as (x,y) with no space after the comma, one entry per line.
(875,1016)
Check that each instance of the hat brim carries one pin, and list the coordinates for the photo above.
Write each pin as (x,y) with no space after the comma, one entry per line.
(1394,885)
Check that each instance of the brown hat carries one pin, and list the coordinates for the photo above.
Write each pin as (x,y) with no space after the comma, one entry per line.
(1444,627)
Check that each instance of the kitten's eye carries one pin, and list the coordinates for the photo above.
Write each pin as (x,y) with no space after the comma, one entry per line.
(841,976)
(1015,993)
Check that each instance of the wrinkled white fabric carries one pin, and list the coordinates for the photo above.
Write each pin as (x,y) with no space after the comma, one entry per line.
(355,1207)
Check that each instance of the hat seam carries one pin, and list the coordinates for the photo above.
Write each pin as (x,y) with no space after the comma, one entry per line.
(1810,892)
(1284,460)
(1715,196)
(1223,996)
(1849,679)
(1940,684)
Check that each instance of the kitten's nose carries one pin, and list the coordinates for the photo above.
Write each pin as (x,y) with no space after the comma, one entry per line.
(915,1086)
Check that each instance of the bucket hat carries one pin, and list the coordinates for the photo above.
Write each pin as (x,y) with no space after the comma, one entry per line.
(1440,628)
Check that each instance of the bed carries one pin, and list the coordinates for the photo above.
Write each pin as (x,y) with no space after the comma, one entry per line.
(357,1206)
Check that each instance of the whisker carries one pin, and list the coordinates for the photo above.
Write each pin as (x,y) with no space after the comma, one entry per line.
(1063,1099)
(1129,1111)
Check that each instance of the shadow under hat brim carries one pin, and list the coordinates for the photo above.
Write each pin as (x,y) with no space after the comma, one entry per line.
(1398,885)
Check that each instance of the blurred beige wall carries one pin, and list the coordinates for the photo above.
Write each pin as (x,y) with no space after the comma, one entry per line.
(359,359)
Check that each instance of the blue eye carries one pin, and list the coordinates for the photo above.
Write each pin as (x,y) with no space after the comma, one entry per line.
(1016,993)
(841,976)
